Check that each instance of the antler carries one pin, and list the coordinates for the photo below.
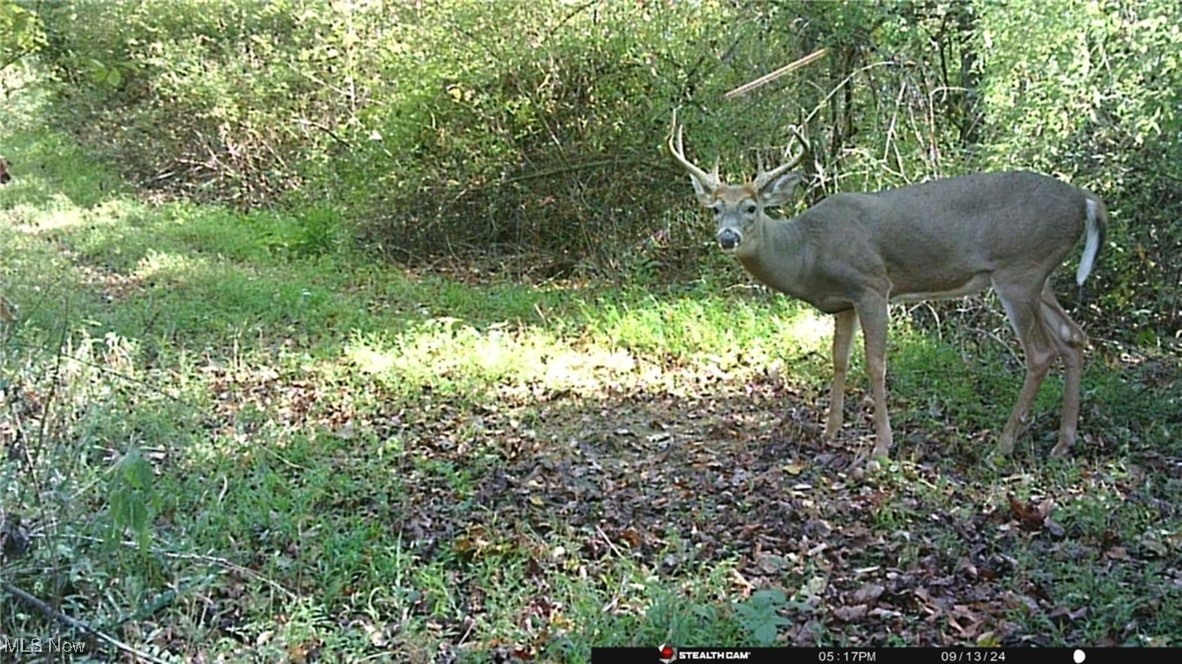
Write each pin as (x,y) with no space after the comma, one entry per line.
(709,181)
(763,177)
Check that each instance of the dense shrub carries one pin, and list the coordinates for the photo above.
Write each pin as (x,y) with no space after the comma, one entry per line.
(465,123)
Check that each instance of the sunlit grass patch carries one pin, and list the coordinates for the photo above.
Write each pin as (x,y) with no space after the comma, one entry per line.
(448,355)
(618,347)
(686,327)
(168,266)
(59,213)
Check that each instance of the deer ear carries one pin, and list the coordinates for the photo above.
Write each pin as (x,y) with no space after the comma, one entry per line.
(779,191)
(705,196)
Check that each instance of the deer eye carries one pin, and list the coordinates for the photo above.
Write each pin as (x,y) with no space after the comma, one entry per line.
(717,207)
(750,209)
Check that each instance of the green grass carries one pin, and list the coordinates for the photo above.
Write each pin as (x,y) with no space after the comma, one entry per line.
(360,460)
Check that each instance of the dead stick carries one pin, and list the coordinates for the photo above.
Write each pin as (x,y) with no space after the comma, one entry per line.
(75,623)
(768,78)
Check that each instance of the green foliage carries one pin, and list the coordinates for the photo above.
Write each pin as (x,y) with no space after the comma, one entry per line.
(541,126)
(131,499)
(311,231)
(465,126)
(20,32)
(759,615)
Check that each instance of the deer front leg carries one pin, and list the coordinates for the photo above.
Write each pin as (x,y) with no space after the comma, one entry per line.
(875,319)
(843,336)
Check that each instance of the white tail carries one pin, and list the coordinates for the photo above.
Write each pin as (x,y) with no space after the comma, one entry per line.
(1097,221)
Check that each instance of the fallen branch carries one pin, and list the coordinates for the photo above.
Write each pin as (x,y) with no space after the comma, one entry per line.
(77,624)
(768,78)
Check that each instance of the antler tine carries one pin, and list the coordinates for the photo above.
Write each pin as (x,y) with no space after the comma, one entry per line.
(707,180)
(804,144)
(764,177)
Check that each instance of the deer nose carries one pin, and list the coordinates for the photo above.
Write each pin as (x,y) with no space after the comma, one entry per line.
(729,238)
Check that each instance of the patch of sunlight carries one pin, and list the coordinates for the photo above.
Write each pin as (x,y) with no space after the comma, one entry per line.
(809,329)
(62,213)
(116,210)
(88,358)
(57,214)
(587,369)
(158,263)
(369,359)
(445,352)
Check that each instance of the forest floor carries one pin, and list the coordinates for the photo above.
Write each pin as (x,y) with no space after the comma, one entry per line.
(229,438)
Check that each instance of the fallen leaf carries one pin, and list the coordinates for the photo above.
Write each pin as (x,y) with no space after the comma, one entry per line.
(1055,529)
(1063,612)
(851,613)
(1117,553)
(815,586)
(1154,545)
(868,593)
(1028,515)
(632,537)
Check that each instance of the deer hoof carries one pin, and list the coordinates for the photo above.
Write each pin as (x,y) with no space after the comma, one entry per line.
(1060,450)
(878,460)
(864,469)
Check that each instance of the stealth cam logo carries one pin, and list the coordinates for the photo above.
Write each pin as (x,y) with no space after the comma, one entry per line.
(667,653)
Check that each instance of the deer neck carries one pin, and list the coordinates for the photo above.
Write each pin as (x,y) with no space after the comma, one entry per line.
(778,258)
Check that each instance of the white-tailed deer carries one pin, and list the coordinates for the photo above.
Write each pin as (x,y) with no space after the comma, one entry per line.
(852,254)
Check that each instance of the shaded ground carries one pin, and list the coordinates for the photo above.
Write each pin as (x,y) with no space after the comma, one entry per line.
(927,554)
(945,547)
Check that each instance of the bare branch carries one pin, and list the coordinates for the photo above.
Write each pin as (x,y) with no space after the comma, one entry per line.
(768,78)
(82,626)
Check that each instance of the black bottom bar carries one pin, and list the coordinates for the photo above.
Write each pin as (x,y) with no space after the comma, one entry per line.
(666,654)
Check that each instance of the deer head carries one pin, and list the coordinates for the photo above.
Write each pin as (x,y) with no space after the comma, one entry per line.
(738,209)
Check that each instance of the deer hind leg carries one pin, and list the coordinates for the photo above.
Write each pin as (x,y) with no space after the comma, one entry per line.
(843,336)
(875,318)
(1069,340)
(1025,309)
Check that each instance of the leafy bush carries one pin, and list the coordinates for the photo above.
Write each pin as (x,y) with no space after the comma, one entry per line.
(451,125)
